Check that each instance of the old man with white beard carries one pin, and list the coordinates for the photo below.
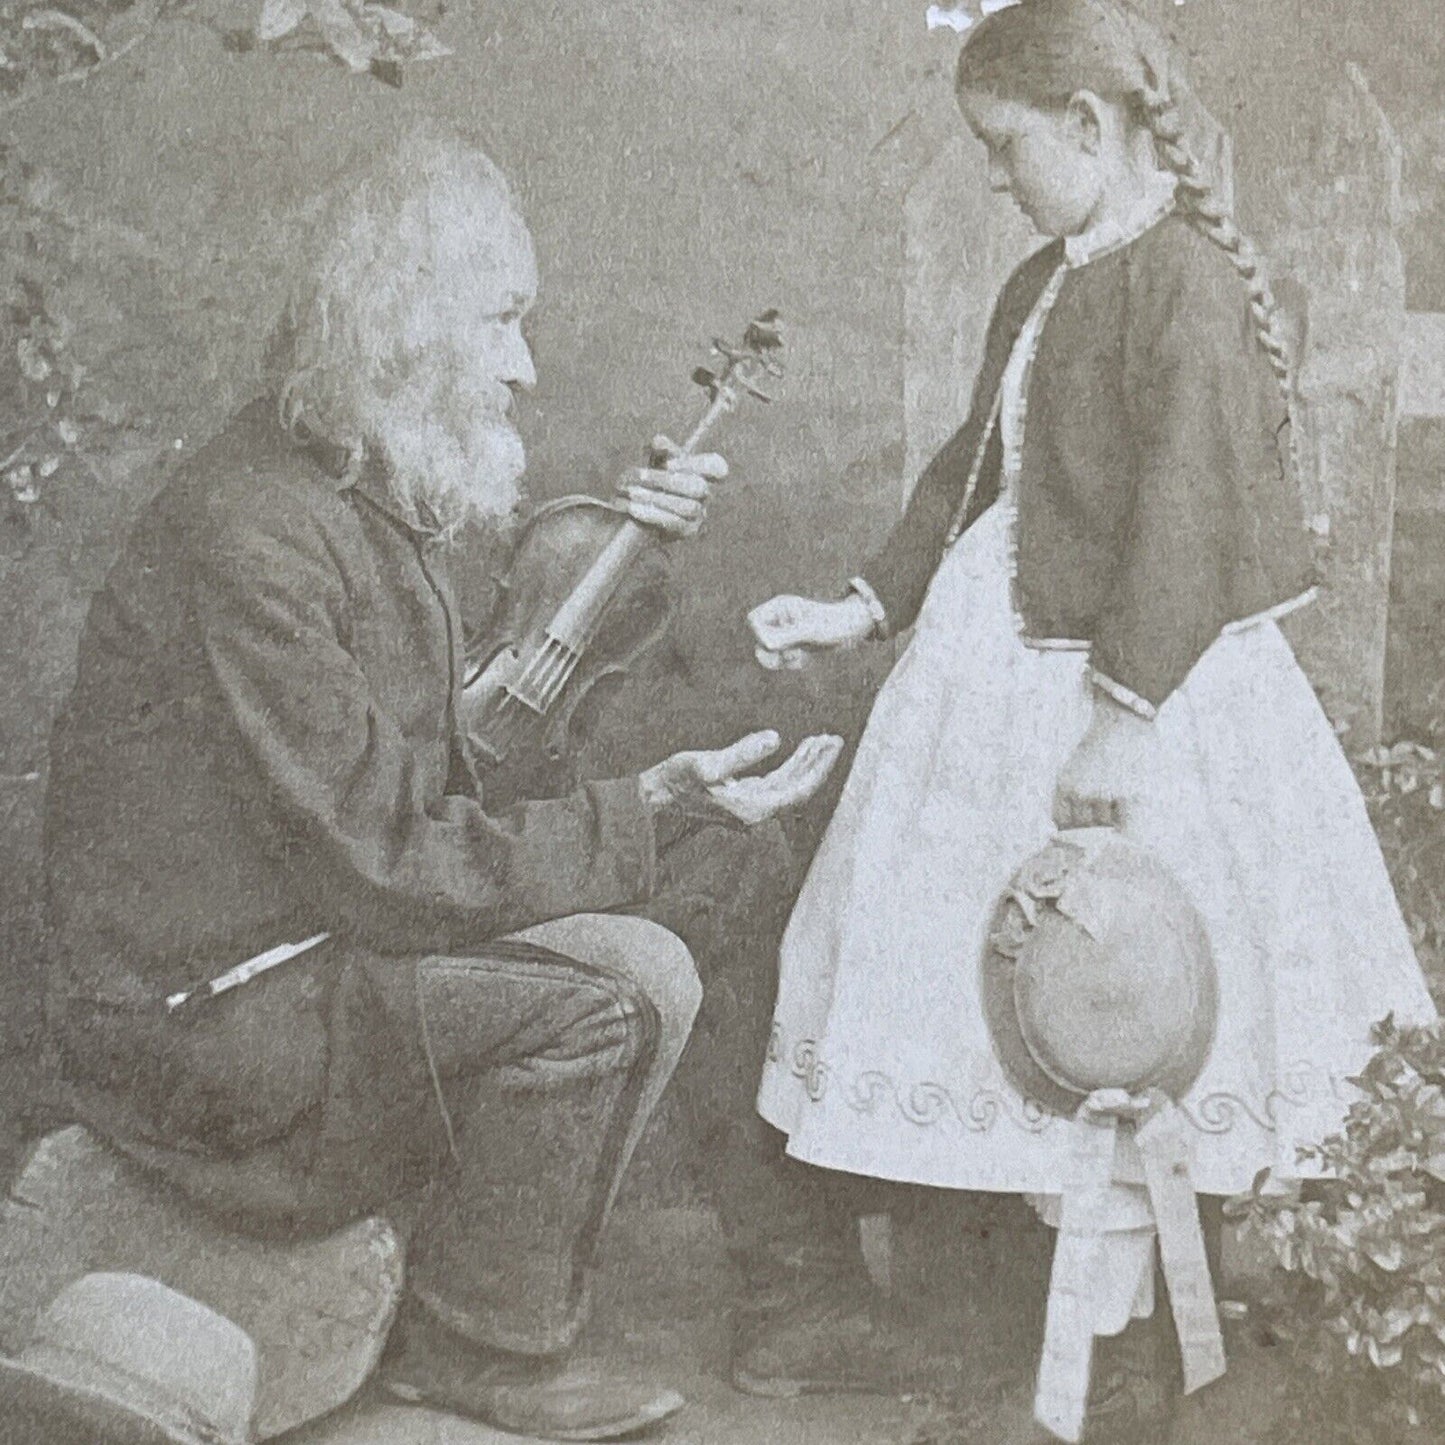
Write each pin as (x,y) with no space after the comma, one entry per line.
(265,745)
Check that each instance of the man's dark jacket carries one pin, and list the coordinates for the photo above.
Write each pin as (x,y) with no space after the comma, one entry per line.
(263,743)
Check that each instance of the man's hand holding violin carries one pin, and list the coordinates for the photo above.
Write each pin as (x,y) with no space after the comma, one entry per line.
(670,495)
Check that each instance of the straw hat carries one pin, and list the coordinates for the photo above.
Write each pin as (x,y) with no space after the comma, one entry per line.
(1098,975)
(118,1359)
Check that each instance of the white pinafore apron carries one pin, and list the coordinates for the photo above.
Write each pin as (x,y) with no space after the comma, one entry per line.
(880,1061)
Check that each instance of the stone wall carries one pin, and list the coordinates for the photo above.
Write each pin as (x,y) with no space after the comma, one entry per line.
(682,166)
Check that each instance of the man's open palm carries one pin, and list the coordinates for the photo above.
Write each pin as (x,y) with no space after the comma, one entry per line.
(707,784)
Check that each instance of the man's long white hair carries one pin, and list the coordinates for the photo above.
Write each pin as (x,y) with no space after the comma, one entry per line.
(384,287)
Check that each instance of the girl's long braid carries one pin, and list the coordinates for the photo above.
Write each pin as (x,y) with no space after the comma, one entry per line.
(1213,219)
(1042,52)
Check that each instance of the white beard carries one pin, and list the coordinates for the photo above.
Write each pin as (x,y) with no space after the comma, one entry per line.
(444,479)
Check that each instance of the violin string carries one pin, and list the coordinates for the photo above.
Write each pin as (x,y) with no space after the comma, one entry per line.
(559,660)
(529,682)
(509,712)
(561,671)
(563,677)
(537,674)
(533,687)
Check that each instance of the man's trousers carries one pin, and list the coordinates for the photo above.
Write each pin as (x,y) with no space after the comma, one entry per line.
(494,1099)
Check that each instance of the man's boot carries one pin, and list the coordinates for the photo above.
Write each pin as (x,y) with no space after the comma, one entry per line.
(542,1397)
(809,1326)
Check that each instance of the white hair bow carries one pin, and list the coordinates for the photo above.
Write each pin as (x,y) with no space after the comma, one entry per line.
(959,18)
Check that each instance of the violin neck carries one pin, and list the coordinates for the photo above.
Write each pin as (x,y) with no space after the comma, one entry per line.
(574,620)
(722,401)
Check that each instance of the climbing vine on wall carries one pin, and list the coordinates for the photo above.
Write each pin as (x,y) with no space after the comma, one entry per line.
(53,413)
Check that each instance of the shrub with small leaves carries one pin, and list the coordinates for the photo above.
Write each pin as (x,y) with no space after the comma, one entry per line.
(1361,1288)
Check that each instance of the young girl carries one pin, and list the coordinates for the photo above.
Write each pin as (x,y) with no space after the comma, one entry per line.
(1095,565)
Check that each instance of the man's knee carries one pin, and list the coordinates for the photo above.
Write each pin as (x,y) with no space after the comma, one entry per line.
(666,972)
(650,958)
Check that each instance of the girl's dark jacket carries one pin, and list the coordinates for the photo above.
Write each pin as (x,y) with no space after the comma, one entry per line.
(1155,500)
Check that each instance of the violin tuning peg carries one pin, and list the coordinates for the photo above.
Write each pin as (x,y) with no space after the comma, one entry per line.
(705,379)
(764,333)
(769,320)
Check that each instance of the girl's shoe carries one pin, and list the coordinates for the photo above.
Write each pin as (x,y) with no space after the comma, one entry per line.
(840,1345)
(812,1349)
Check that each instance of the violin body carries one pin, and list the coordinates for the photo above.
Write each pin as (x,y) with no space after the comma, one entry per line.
(557,546)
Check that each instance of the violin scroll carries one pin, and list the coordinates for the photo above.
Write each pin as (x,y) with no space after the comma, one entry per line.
(748,364)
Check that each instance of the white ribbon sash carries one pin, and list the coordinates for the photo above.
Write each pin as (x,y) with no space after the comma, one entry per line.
(1088,1211)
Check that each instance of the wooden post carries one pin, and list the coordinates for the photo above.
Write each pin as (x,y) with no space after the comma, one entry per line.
(1336,242)
(1422,382)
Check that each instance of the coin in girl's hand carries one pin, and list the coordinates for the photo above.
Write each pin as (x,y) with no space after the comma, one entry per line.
(790,659)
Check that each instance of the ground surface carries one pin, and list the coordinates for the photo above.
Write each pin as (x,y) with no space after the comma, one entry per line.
(661,1313)
(658,1314)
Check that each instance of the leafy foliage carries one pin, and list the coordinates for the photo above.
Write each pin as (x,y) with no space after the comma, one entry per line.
(1360,1293)
(47,417)
(1361,1253)
(365,37)
(40,42)
(51,415)
(42,410)
(963,16)
(44,45)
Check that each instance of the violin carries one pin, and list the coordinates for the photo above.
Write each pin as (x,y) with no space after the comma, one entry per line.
(587,594)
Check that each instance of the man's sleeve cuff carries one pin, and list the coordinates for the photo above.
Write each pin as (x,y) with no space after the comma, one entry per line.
(860,588)
(1124,696)
(627,838)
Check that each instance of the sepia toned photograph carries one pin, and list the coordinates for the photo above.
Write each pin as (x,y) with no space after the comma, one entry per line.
(723,724)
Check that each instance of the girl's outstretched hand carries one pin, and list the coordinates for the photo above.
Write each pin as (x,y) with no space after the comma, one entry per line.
(1107,772)
(788,630)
